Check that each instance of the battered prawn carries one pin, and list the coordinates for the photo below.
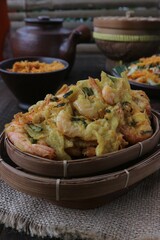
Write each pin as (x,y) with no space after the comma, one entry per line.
(69,125)
(21,141)
(109,95)
(137,128)
(75,127)
(142,100)
(90,102)
(106,135)
(17,134)
(114,90)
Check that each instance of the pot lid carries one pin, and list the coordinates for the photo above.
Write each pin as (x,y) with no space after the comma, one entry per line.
(136,23)
(44,20)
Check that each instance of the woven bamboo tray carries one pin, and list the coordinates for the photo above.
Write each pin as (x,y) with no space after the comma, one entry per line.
(83,167)
(81,193)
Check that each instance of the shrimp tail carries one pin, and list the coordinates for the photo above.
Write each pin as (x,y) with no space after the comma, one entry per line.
(22,142)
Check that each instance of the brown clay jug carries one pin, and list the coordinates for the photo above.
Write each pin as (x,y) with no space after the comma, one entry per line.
(44,36)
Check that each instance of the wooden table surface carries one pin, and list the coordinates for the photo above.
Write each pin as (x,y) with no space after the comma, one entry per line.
(85,65)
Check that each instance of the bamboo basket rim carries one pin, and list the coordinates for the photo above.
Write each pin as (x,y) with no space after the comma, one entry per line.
(84,180)
(88,186)
(84,166)
(73,161)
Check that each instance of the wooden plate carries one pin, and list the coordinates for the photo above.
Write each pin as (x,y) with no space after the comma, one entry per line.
(86,166)
(151,91)
(81,193)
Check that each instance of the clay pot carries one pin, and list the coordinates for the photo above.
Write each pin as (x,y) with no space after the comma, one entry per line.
(127,38)
(44,36)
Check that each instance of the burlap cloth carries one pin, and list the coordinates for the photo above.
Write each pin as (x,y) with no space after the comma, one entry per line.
(133,216)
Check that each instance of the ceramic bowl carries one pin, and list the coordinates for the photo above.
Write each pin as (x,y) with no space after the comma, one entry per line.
(126,38)
(151,91)
(29,88)
(86,166)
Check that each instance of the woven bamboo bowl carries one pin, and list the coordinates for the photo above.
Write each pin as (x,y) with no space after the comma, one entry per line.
(86,166)
(81,193)
(127,38)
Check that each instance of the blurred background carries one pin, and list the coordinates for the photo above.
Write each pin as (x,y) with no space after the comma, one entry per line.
(74,13)
(27,28)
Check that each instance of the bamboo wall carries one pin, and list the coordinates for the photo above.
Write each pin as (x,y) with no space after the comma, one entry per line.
(76,12)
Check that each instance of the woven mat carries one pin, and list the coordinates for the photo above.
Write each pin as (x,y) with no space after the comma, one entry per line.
(133,216)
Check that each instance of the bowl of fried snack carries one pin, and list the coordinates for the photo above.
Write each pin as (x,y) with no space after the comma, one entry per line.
(31,78)
(83,145)
(83,129)
(143,74)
